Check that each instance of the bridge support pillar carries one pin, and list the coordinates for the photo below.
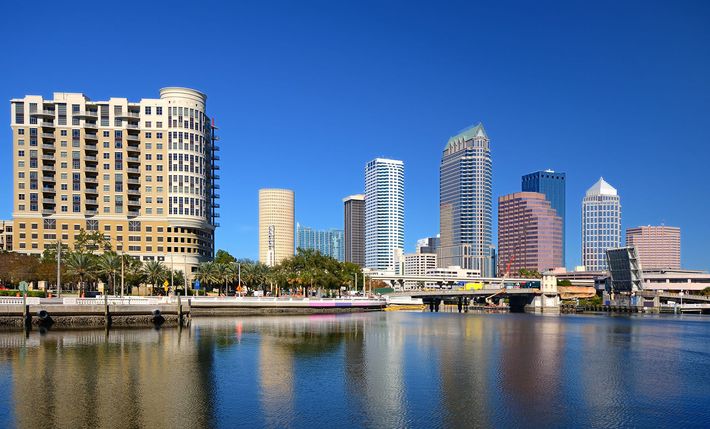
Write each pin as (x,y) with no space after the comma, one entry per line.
(437,302)
(465,304)
(431,306)
(460,304)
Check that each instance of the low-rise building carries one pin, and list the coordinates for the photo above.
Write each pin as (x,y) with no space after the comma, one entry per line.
(6,235)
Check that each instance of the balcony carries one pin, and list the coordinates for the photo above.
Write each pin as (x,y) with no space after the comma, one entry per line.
(133,159)
(134,203)
(91,202)
(47,200)
(86,114)
(91,147)
(48,136)
(133,213)
(48,158)
(133,126)
(92,191)
(48,189)
(133,170)
(129,115)
(132,148)
(215,186)
(49,179)
(44,113)
(91,180)
(48,146)
(133,137)
(47,211)
(90,212)
(91,125)
(47,124)
(133,181)
(133,192)
(90,158)
(91,136)
(91,169)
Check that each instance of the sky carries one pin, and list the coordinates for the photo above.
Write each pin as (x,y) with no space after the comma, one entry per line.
(306,92)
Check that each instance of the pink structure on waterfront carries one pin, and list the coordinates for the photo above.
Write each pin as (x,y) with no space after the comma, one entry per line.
(529,233)
(658,247)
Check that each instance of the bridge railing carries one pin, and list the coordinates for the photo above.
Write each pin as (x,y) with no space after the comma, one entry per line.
(130,300)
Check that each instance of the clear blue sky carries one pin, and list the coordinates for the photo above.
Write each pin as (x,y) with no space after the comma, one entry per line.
(306,92)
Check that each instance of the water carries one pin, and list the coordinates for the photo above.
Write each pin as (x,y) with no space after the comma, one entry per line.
(380,370)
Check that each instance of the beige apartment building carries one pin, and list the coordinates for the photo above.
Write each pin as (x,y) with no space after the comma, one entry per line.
(658,246)
(142,173)
(276,220)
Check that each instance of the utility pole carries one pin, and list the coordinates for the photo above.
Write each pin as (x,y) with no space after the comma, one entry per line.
(239,277)
(184,275)
(172,273)
(59,269)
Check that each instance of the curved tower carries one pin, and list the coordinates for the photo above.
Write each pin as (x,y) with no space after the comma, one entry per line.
(276,217)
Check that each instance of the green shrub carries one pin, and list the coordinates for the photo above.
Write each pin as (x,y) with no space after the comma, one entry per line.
(30,293)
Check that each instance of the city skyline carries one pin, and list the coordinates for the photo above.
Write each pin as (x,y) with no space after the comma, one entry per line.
(350,101)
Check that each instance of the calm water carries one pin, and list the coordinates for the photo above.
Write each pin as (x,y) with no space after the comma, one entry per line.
(384,370)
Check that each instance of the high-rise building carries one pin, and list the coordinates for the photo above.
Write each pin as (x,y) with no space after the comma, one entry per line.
(465,202)
(6,235)
(327,242)
(552,185)
(354,232)
(384,212)
(276,218)
(658,247)
(428,244)
(601,224)
(141,173)
(529,233)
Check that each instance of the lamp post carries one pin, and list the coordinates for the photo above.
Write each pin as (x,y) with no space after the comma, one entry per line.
(122,283)
(59,269)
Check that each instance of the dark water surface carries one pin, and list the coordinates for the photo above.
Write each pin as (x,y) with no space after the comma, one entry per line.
(384,370)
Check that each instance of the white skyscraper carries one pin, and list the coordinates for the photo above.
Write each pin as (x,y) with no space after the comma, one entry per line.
(384,212)
(601,224)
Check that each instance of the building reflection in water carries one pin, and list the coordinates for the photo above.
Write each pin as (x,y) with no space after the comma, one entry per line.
(89,379)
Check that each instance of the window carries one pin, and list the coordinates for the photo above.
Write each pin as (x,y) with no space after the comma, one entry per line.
(147,110)
(158,110)
(92,225)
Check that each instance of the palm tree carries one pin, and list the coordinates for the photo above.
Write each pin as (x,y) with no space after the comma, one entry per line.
(155,272)
(132,271)
(81,266)
(225,272)
(108,264)
(206,273)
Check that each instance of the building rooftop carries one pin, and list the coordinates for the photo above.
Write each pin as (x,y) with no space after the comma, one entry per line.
(602,187)
(468,134)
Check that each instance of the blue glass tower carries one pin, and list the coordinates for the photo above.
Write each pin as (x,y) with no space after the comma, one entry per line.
(552,185)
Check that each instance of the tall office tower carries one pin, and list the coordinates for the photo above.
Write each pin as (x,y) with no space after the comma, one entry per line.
(552,185)
(428,245)
(327,242)
(465,202)
(384,212)
(529,233)
(658,247)
(141,173)
(276,208)
(601,224)
(355,229)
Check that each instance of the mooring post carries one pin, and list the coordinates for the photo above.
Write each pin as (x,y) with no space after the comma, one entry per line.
(107,315)
(189,309)
(26,318)
(179,309)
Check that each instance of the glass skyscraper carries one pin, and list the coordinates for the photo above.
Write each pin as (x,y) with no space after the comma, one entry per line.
(465,202)
(552,185)
(601,224)
(327,242)
(384,212)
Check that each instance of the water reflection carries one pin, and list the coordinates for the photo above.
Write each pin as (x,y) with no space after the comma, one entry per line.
(363,370)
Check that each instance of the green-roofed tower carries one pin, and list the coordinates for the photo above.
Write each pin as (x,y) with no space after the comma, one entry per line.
(466,201)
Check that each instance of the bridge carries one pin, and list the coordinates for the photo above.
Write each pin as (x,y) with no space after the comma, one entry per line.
(519,299)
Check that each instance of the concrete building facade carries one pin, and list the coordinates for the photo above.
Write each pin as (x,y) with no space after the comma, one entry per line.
(658,247)
(601,224)
(354,232)
(465,202)
(384,212)
(529,233)
(276,225)
(141,173)
(6,235)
